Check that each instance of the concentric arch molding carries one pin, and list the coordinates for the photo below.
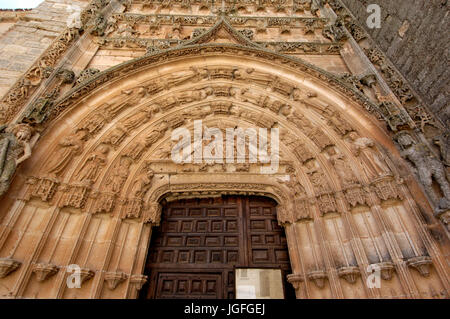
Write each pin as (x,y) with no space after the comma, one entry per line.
(126,69)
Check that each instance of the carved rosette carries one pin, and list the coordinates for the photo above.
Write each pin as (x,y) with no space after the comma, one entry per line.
(113,279)
(7,266)
(138,281)
(349,273)
(421,264)
(44,271)
(318,277)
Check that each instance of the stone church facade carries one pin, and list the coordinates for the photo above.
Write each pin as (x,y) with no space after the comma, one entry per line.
(92,91)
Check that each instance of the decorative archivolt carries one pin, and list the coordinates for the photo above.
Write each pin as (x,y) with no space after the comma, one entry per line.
(134,128)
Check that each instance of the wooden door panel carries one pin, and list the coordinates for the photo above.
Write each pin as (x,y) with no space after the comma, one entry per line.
(200,242)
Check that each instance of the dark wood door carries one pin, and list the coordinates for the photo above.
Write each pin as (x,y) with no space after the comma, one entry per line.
(195,251)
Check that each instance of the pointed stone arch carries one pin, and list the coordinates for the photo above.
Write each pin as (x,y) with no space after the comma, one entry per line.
(99,139)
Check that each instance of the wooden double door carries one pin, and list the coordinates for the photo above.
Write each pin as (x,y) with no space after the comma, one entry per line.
(200,243)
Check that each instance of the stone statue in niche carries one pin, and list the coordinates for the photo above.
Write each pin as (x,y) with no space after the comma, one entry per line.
(428,167)
(119,175)
(364,149)
(343,168)
(68,148)
(95,162)
(142,184)
(15,148)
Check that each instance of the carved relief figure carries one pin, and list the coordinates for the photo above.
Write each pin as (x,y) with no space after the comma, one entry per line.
(138,118)
(91,168)
(156,134)
(69,147)
(119,175)
(15,148)
(428,167)
(370,159)
(343,168)
(142,184)
(317,178)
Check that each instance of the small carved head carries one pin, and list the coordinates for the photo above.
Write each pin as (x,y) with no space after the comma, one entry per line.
(23,132)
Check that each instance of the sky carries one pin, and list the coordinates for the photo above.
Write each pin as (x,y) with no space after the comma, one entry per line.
(19,4)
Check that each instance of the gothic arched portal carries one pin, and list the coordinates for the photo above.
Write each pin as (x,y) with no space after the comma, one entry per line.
(103,164)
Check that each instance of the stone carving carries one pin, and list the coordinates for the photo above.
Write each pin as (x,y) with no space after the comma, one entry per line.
(428,168)
(43,188)
(340,125)
(343,168)
(113,279)
(86,75)
(317,178)
(142,183)
(119,175)
(386,188)
(137,119)
(421,264)
(74,196)
(335,32)
(44,271)
(318,277)
(364,149)
(350,273)
(320,138)
(138,281)
(355,196)
(24,88)
(156,134)
(7,266)
(94,163)
(386,269)
(396,117)
(15,148)
(68,148)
